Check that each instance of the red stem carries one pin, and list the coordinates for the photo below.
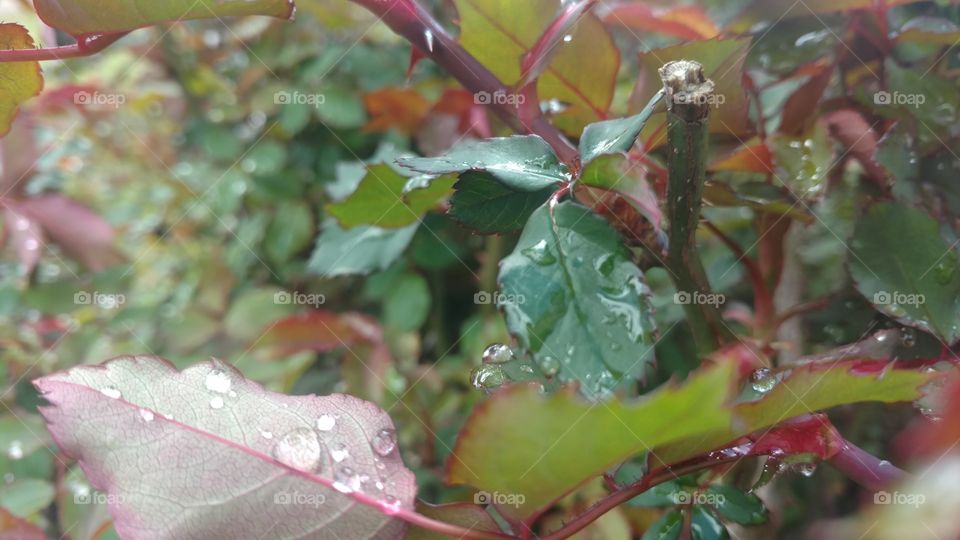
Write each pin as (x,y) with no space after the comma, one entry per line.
(449,529)
(865,469)
(409,19)
(763,300)
(85,46)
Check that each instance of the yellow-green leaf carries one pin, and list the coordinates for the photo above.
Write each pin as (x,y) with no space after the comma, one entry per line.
(19,81)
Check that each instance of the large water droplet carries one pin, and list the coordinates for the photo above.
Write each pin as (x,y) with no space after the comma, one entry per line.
(339,452)
(216,402)
(550,366)
(146,415)
(806,468)
(110,392)
(326,422)
(908,337)
(488,377)
(346,481)
(763,380)
(384,442)
(299,449)
(218,381)
(498,353)
(540,253)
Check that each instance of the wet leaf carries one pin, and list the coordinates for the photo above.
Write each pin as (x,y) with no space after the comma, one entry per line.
(615,136)
(760,12)
(78,17)
(668,527)
(488,206)
(523,163)
(906,270)
(247,462)
(581,73)
(576,300)
(80,231)
(547,445)
(389,200)
(705,526)
(19,81)
(737,506)
(684,22)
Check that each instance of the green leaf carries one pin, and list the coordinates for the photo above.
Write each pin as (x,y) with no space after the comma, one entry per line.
(582,72)
(488,206)
(901,264)
(27,496)
(524,163)
(737,506)
(668,527)
(78,17)
(359,250)
(705,526)
(407,303)
(522,442)
(290,231)
(22,434)
(616,172)
(19,81)
(576,300)
(389,200)
(615,136)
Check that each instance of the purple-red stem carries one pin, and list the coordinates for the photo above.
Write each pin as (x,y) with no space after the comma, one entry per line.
(866,469)
(85,46)
(409,19)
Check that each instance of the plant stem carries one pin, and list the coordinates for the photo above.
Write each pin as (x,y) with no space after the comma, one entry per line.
(85,46)
(866,469)
(409,19)
(449,529)
(689,98)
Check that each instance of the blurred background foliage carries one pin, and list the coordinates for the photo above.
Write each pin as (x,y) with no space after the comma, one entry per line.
(212,197)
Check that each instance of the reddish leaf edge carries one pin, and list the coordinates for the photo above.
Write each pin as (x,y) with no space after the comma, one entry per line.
(399,512)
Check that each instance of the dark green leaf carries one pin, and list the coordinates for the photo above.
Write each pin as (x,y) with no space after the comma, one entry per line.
(360,250)
(902,265)
(407,304)
(525,163)
(668,527)
(576,301)
(615,136)
(488,206)
(387,199)
(737,506)
(705,526)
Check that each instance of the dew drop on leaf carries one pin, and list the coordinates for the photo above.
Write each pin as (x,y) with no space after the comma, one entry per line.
(299,449)
(605,264)
(216,402)
(326,422)
(550,366)
(540,254)
(346,481)
(943,272)
(110,392)
(498,353)
(763,380)
(146,415)
(384,442)
(339,452)
(218,381)
(806,468)
(488,377)
(908,337)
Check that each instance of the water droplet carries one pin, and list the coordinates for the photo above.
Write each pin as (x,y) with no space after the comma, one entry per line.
(526,368)
(299,449)
(339,452)
(146,415)
(540,253)
(266,434)
(110,392)
(806,468)
(488,377)
(605,264)
(15,450)
(908,337)
(346,481)
(218,381)
(550,366)
(384,442)
(216,402)
(326,422)
(498,353)
(763,380)
(944,271)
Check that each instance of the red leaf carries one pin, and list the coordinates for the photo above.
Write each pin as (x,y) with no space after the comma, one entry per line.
(858,138)
(750,158)
(25,236)
(82,234)
(321,331)
(395,108)
(799,110)
(539,56)
(685,22)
